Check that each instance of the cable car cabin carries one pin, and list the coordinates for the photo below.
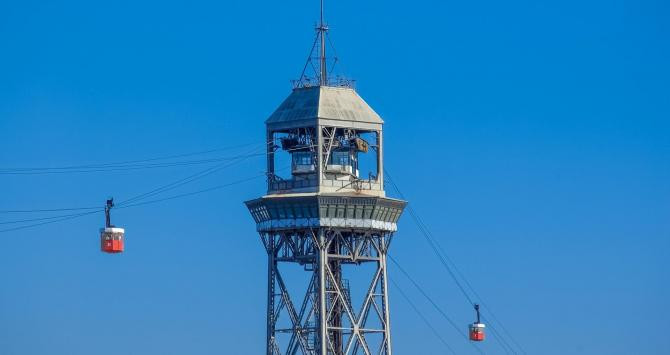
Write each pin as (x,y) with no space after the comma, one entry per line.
(111,239)
(477,331)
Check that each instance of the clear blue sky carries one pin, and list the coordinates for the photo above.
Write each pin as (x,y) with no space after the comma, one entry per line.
(533,137)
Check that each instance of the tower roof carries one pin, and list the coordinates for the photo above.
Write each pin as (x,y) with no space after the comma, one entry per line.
(341,106)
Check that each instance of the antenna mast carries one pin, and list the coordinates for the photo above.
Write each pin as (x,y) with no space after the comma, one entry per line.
(323,72)
(318,52)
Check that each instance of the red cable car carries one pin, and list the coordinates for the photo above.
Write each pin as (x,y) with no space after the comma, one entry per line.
(477,328)
(111,237)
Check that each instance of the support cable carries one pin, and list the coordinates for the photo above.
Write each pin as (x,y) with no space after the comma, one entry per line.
(52,221)
(50,210)
(60,218)
(233,160)
(196,176)
(164,188)
(124,165)
(439,310)
(186,180)
(490,312)
(500,340)
(41,218)
(445,260)
(99,209)
(139,197)
(423,318)
(433,242)
(194,192)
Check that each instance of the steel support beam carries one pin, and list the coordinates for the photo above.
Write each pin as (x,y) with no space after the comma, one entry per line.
(326,323)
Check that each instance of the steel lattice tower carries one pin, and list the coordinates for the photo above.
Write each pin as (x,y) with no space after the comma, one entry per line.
(330,213)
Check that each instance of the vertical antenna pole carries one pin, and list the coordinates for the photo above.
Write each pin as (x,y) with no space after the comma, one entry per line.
(322,54)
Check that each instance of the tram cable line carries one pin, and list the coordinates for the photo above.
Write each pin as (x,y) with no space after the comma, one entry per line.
(129,164)
(139,197)
(154,192)
(444,258)
(433,303)
(445,261)
(51,210)
(52,221)
(100,209)
(142,203)
(124,168)
(41,218)
(236,158)
(194,192)
(453,271)
(127,203)
(186,180)
(500,340)
(502,326)
(423,318)
(490,311)
(430,239)
(134,202)
(197,176)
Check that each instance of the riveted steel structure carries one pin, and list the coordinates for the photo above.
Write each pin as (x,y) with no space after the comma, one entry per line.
(331,217)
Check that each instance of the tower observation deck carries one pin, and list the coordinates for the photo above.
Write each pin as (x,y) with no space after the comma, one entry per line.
(329,216)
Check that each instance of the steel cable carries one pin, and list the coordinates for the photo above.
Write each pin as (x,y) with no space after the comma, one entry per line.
(445,261)
(423,318)
(129,164)
(186,180)
(50,210)
(433,303)
(77,215)
(49,222)
(194,192)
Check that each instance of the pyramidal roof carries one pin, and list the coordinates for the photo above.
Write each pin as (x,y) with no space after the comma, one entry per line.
(323,102)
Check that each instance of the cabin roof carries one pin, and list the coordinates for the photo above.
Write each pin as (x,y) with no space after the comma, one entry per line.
(323,102)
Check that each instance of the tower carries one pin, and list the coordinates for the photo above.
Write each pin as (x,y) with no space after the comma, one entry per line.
(329,216)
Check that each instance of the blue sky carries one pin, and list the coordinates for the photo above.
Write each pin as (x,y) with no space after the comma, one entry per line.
(532,137)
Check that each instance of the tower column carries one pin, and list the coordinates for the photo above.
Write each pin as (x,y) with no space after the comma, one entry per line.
(319,158)
(323,294)
(385,295)
(272,267)
(335,318)
(380,158)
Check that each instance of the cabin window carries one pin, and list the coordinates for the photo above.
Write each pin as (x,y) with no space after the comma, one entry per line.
(302,162)
(302,158)
(340,158)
